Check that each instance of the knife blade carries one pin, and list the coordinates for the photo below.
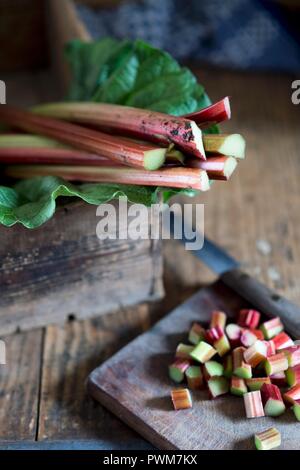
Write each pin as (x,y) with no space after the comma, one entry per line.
(257,294)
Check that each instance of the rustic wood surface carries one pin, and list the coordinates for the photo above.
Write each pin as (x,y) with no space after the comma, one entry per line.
(260,204)
(134,385)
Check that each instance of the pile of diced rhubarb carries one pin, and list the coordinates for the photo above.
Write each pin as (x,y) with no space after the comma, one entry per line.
(253,360)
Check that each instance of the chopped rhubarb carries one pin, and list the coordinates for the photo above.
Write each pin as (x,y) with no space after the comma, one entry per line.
(203,352)
(238,386)
(258,333)
(272,400)
(257,382)
(278,379)
(293,394)
(267,440)
(253,404)
(140,123)
(177,370)
(196,334)
(234,333)
(282,340)
(232,145)
(272,328)
(194,377)
(256,353)
(218,319)
(214,333)
(222,345)
(293,375)
(271,350)
(218,167)
(213,114)
(212,369)
(248,338)
(296,410)
(228,366)
(240,367)
(248,318)
(218,386)
(293,355)
(183,351)
(181,399)
(276,363)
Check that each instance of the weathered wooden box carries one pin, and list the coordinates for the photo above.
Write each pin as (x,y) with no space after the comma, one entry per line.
(63,270)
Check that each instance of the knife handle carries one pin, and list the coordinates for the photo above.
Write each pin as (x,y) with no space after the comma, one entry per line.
(264,299)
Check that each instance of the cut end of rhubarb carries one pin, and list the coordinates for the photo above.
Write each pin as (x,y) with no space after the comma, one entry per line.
(229,167)
(234,145)
(154,159)
(226,102)
(197,133)
(267,440)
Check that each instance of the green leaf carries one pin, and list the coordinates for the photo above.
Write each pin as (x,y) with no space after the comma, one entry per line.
(131,73)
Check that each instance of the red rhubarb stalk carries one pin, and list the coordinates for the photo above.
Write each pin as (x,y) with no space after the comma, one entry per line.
(272,400)
(248,318)
(144,124)
(131,153)
(253,404)
(256,353)
(213,114)
(232,145)
(177,369)
(217,167)
(293,394)
(293,355)
(282,340)
(278,379)
(218,319)
(166,177)
(293,375)
(276,363)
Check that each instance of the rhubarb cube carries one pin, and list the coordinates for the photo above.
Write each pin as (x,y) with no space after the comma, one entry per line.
(258,333)
(203,352)
(272,328)
(296,410)
(238,386)
(215,333)
(282,340)
(271,350)
(267,440)
(218,318)
(181,399)
(194,377)
(240,367)
(248,318)
(234,333)
(276,363)
(253,404)
(257,382)
(218,386)
(183,351)
(256,353)
(248,338)
(292,375)
(278,379)
(227,364)
(272,400)
(222,345)
(177,370)
(293,394)
(293,355)
(197,333)
(212,369)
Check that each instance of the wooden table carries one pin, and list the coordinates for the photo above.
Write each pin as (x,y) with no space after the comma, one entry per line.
(42,394)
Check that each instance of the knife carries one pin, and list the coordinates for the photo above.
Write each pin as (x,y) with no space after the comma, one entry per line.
(257,294)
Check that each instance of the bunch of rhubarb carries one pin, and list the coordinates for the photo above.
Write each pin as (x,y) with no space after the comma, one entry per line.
(110,143)
(251,359)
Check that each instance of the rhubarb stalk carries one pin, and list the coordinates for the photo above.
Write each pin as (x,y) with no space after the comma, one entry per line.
(213,114)
(238,386)
(217,167)
(248,318)
(240,367)
(177,369)
(268,439)
(253,404)
(232,145)
(272,400)
(276,363)
(203,352)
(131,153)
(144,124)
(181,399)
(196,334)
(256,353)
(167,177)
(194,377)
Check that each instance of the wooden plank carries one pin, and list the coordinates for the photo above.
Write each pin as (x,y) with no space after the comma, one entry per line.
(63,269)
(134,384)
(19,385)
(70,354)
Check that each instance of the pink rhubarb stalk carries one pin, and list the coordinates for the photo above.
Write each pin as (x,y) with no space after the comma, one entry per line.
(167,177)
(293,355)
(196,334)
(272,328)
(293,394)
(292,375)
(218,319)
(256,353)
(238,386)
(234,333)
(240,367)
(253,404)
(177,369)
(276,363)
(213,114)
(272,400)
(282,340)
(248,318)
(141,123)
(121,150)
(256,383)
(248,338)
(278,379)
(267,440)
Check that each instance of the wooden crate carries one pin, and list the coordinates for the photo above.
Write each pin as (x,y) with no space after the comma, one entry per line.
(62,270)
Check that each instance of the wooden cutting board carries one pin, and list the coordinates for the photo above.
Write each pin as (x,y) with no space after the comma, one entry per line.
(134,385)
